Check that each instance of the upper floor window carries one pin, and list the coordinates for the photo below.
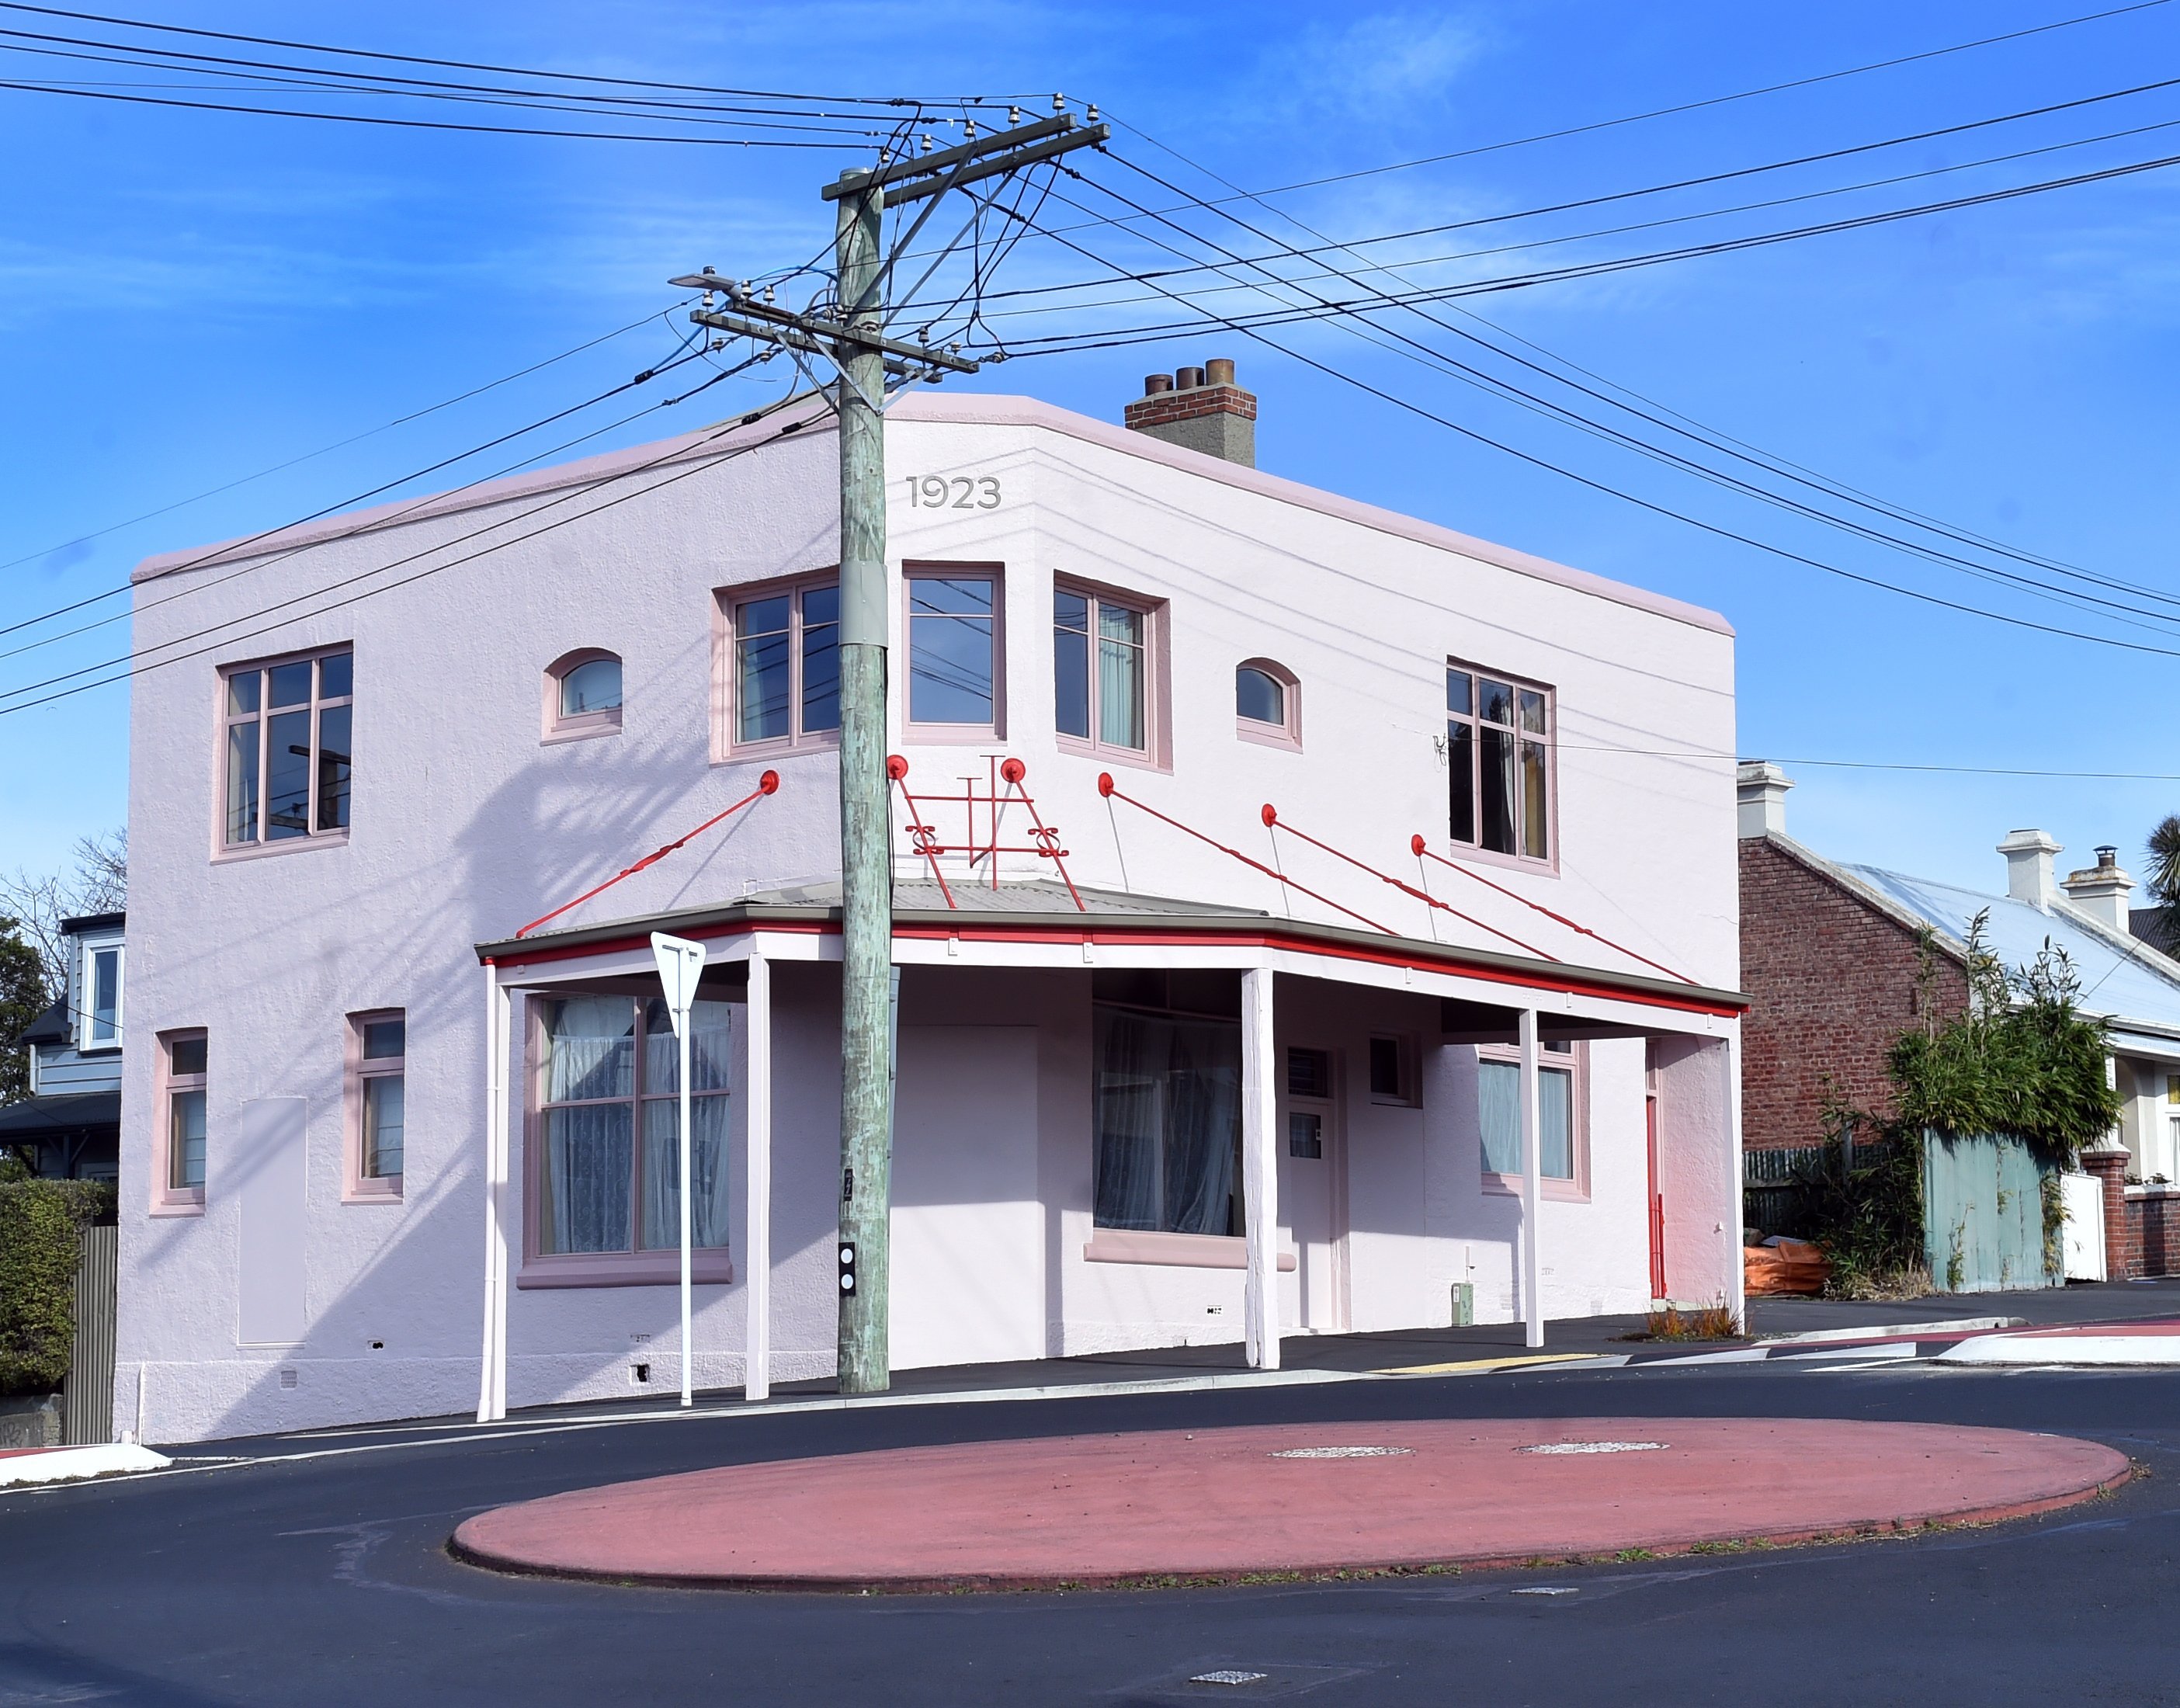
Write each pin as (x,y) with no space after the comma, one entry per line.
(783,665)
(954,684)
(377,1103)
(98,1002)
(287,749)
(1498,761)
(1267,703)
(1105,684)
(582,694)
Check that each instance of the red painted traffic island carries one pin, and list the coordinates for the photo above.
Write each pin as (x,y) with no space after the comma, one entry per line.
(1312,1499)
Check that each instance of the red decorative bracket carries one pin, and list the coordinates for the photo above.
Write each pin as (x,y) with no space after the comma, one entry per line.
(1422,850)
(924,838)
(769,784)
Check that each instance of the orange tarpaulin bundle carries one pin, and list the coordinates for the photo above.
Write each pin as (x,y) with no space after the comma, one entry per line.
(1782,1265)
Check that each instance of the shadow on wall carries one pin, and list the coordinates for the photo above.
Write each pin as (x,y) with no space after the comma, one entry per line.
(399,1337)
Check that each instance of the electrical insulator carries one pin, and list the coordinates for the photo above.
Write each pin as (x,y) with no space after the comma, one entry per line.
(1058,102)
(1013,115)
(1090,112)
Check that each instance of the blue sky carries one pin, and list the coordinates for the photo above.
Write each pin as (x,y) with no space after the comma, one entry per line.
(188,298)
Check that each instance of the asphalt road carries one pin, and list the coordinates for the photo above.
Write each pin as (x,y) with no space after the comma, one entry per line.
(325,1581)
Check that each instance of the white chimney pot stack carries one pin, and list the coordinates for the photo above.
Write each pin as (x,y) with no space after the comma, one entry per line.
(2101,891)
(1760,789)
(2029,867)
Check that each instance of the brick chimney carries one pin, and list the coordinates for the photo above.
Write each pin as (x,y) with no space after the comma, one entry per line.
(1760,789)
(2029,867)
(1200,408)
(2101,891)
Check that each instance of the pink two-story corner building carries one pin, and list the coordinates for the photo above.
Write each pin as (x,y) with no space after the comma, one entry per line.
(391,1149)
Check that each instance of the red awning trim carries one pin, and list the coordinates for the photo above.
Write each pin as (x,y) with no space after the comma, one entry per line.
(966,927)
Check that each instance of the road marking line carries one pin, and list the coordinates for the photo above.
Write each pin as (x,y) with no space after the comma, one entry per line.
(1478,1367)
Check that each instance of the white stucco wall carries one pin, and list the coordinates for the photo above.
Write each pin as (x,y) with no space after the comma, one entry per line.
(466,826)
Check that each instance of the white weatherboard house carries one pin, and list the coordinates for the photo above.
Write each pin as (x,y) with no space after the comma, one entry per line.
(428,1155)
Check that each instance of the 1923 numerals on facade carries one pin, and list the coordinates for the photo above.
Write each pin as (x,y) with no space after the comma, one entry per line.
(952,493)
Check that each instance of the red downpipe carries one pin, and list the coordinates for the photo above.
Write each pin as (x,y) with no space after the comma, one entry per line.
(1106,787)
(766,785)
(1417,846)
(1272,818)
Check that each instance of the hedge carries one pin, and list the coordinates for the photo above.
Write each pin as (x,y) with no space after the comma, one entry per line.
(39,1222)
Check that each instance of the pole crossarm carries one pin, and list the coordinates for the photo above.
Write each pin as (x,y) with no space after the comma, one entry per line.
(803,332)
(967,153)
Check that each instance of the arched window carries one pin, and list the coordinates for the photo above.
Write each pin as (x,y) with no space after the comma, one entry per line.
(582,694)
(1267,703)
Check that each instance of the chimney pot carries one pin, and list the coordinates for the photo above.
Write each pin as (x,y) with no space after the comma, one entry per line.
(1218,371)
(1155,383)
(2029,867)
(1187,378)
(2102,890)
(1760,789)
(1200,408)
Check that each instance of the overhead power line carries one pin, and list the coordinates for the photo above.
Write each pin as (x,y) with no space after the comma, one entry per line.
(2158,621)
(137,667)
(474,65)
(1806,82)
(1672,420)
(292,462)
(1252,330)
(1116,337)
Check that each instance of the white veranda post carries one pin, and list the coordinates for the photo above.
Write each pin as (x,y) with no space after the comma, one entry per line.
(1260,1177)
(1532,1182)
(492,1374)
(680,965)
(757,1103)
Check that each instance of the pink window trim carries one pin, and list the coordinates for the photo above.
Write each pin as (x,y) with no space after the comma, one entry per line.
(725,749)
(1577,1061)
(167,1199)
(1547,867)
(1287,733)
(1174,1250)
(1157,753)
(357,1187)
(1411,1077)
(222,851)
(582,725)
(708,1265)
(942,735)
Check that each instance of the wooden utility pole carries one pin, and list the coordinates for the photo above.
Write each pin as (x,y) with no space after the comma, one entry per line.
(866,822)
(865,359)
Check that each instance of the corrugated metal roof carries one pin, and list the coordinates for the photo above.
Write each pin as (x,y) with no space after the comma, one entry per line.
(1028,896)
(2120,977)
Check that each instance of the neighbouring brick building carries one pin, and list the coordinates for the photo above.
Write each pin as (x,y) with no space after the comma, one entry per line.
(1832,963)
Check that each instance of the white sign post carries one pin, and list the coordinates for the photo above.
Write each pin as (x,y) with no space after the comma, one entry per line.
(680,965)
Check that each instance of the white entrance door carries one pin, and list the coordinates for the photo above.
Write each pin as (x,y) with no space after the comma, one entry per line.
(968,1286)
(2082,1198)
(1312,1190)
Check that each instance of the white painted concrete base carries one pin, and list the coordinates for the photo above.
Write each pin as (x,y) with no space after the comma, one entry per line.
(64,1465)
(2142,1351)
